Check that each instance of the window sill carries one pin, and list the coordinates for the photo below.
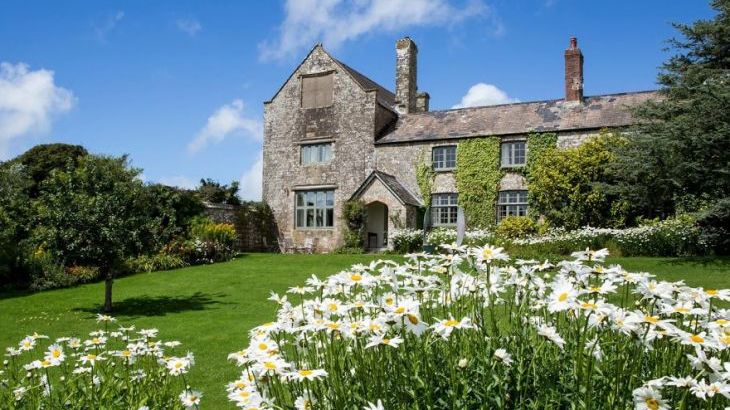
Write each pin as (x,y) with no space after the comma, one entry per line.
(514,167)
(444,170)
(317,164)
(322,229)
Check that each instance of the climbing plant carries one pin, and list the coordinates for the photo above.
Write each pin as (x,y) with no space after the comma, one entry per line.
(424,178)
(477,179)
(537,145)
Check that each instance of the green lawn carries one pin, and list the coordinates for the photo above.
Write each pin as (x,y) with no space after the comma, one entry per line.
(211,308)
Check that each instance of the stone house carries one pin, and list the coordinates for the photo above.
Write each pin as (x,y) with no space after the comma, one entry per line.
(331,135)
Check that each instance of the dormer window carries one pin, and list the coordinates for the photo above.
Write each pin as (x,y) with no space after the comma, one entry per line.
(317,90)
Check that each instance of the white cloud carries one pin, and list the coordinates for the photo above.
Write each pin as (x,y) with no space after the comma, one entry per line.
(251,180)
(484,94)
(226,121)
(335,22)
(103,28)
(29,100)
(179,181)
(190,27)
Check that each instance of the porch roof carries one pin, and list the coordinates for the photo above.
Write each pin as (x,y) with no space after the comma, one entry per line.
(400,192)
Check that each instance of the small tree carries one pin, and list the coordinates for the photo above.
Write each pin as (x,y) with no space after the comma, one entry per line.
(217,193)
(93,215)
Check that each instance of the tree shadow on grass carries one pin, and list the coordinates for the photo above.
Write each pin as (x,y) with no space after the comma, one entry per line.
(704,261)
(146,305)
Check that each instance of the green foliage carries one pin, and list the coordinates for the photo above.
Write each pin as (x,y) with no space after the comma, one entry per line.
(567,186)
(204,229)
(516,227)
(681,148)
(258,217)
(354,214)
(14,210)
(406,240)
(92,214)
(537,145)
(42,159)
(217,193)
(477,179)
(170,211)
(714,224)
(158,262)
(424,178)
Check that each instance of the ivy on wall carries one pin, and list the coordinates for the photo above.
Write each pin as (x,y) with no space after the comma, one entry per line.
(424,178)
(537,145)
(478,174)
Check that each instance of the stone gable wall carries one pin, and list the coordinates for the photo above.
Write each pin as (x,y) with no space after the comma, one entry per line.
(349,123)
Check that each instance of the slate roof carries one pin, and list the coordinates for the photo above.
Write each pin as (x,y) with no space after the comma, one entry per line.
(385,96)
(519,118)
(396,188)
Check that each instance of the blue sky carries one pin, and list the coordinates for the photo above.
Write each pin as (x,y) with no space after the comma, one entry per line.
(179,85)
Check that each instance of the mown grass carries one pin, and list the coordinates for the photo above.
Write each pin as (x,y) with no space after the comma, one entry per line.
(211,308)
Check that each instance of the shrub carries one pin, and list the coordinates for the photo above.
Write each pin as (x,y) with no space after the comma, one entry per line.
(117,369)
(468,330)
(568,186)
(406,240)
(158,262)
(354,216)
(440,236)
(45,273)
(516,227)
(83,273)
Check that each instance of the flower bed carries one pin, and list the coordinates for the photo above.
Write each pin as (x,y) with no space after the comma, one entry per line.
(466,329)
(113,369)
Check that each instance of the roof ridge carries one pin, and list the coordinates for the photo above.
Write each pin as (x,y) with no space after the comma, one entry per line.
(532,102)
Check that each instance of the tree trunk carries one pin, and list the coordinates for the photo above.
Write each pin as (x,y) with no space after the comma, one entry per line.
(108,291)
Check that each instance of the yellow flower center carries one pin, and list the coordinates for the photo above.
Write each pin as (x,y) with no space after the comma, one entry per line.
(386,341)
(413,319)
(126,353)
(56,354)
(332,307)
(451,323)
(563,297)
(588,305)
(681,310)
(355,277)
(270,365)
(595,289)
(711,292)
(487,253)
(651,319)
(263,346)
(652,404)
(389,301)
(305,372)
(697,339)
(400,310)
(244,394)
(721,322)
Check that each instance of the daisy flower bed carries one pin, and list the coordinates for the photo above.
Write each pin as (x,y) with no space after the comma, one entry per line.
(121,368)
(468,328)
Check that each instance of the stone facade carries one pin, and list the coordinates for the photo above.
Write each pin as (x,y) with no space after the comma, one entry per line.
(378,138)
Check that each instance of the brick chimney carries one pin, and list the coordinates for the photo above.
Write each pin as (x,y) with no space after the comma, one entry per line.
(573,72)
(405,75)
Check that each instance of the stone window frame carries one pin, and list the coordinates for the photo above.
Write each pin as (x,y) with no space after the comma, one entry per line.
(441,165)
(508,161)
(326,206)
(319,161)
(444,205)
(512,202)
(317,77)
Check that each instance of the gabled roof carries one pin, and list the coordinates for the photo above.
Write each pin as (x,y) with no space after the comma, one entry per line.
(385,97)
(519,118)
(401,193)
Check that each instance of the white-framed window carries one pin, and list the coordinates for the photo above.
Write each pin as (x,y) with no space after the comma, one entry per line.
(317,90)
(316,153)
(315,209)
(444,158)
(514,154)
(443,209)
(511,203)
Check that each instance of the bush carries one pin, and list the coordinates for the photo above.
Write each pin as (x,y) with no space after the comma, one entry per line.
(714,224)
(83,273)
(154,263)
(354,214)
(45,273)
(516,227)
(406,240)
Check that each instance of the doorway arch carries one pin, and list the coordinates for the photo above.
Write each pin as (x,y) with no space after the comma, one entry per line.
(376,232)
